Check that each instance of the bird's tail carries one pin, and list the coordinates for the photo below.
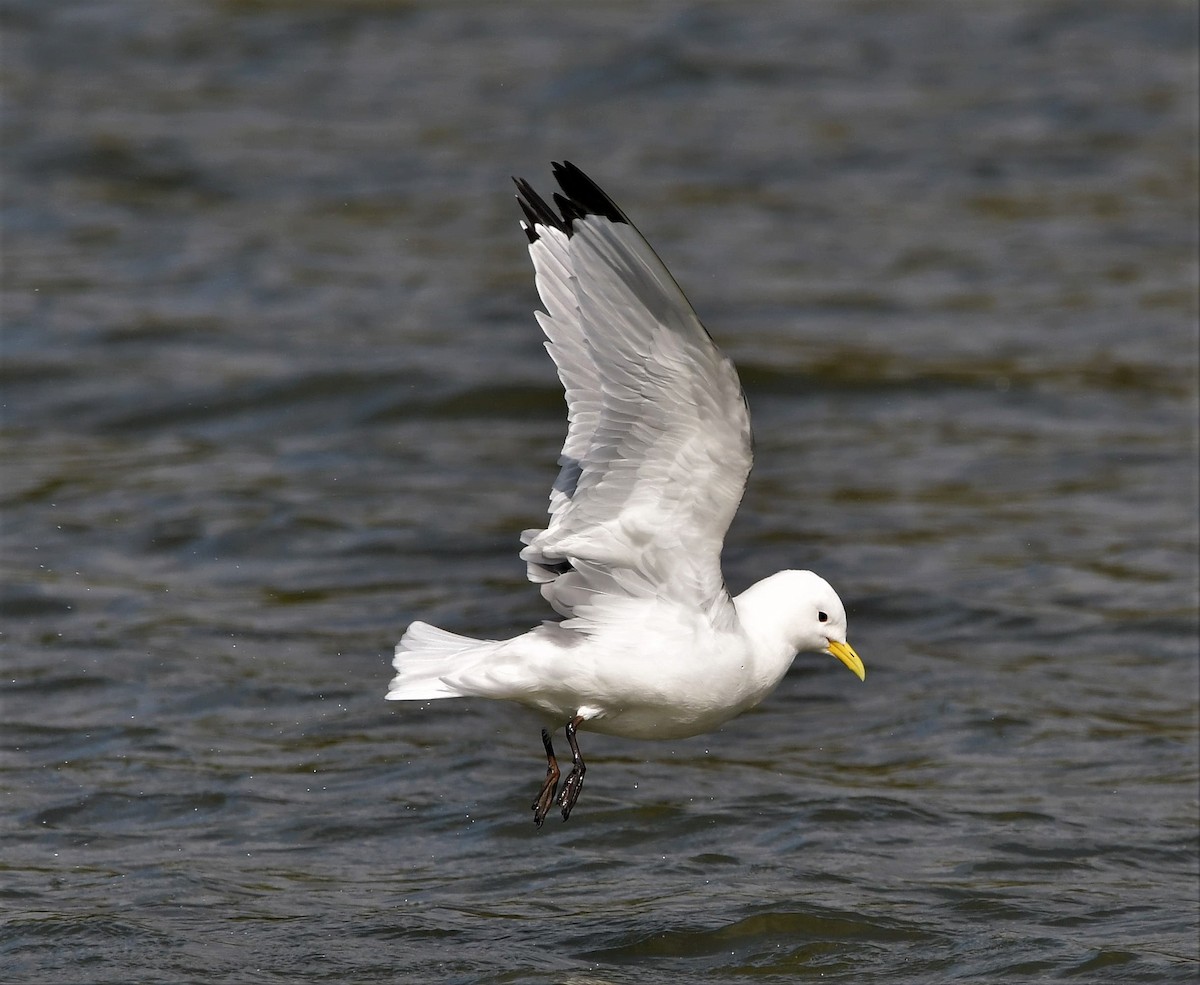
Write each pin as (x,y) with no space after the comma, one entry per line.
(426,656)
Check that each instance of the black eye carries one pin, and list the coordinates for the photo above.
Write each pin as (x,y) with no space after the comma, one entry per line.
(822,617)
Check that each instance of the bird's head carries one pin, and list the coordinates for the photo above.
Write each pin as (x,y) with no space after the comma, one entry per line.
(807,610)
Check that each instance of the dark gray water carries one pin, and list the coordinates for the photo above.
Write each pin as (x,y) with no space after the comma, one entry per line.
(273,388)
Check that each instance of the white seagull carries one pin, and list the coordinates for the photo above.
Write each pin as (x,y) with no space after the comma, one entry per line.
(650,644)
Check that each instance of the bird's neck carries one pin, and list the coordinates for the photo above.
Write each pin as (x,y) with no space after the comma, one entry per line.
(766,619)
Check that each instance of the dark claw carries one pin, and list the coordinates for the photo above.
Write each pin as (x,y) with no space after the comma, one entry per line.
(570,791)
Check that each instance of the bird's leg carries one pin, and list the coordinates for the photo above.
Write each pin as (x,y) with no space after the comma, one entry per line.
(545,797)
(570,790)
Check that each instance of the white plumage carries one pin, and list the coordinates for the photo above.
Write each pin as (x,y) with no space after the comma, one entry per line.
(658,449)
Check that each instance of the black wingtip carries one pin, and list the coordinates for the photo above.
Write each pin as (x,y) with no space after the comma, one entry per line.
(536,210)
(580,197)
(585,194)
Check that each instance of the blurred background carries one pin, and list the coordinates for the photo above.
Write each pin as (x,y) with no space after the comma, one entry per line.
(272,388)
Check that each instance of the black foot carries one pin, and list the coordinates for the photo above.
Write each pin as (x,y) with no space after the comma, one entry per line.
(545,797)
(570,791)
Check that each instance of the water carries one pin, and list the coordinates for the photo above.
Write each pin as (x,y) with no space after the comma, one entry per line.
(272,388)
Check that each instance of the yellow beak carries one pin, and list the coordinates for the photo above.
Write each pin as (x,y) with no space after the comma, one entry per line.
(845,653)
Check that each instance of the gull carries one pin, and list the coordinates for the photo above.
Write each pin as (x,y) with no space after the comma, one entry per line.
(649,644)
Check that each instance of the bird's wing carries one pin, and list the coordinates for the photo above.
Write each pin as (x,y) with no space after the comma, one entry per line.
(658,444)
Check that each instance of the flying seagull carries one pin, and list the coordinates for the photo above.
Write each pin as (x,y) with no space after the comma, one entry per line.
(650,644)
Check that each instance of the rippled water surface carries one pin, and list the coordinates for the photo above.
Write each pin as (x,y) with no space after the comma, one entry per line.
(273,388)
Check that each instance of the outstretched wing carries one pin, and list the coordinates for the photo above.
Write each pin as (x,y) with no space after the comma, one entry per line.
(658,443)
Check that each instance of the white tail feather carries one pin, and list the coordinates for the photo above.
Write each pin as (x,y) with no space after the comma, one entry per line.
(424,657)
